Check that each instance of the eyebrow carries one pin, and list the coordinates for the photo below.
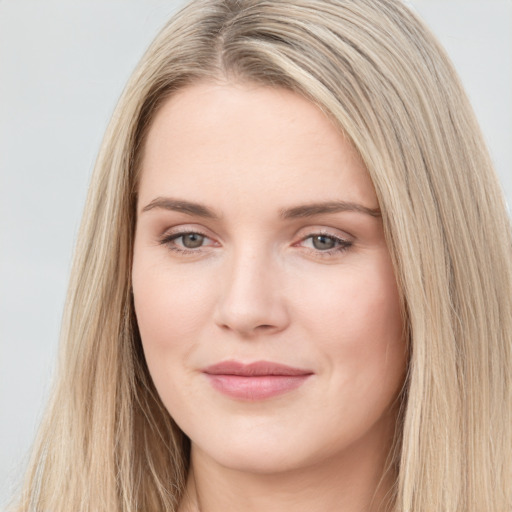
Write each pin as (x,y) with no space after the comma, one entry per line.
(310,210)
(177,205)
(302,211)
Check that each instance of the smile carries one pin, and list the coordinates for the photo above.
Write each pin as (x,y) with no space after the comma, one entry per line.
(255,381)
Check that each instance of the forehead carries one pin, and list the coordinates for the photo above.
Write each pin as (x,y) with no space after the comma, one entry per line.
(246,141)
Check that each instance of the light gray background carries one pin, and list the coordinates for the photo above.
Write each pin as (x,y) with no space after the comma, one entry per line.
(63,64)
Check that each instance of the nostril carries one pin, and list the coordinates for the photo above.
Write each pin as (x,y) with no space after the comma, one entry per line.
(249,307)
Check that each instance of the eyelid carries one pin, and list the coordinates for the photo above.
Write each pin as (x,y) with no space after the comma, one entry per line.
(183,229)
(343,242)
(333,232)
(171,234)
(327,235)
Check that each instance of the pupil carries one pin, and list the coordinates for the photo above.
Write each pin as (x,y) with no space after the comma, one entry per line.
(323,242)
(193,240)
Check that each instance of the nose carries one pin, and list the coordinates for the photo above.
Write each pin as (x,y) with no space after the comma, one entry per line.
(252,298)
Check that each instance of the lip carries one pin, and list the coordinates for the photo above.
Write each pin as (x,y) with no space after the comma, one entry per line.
(255,381)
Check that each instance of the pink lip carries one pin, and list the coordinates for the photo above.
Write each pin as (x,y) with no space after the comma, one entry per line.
(255,381)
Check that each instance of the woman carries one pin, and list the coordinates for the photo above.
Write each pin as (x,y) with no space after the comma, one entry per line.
(292,284)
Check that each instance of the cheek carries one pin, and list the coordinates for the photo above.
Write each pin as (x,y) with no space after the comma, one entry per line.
(357,324)
(171,307)
(355,302)
(168,303)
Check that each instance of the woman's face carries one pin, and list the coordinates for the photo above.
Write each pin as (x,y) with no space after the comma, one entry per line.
(259,240)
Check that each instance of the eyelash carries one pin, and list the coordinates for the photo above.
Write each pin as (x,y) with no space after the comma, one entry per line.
(341,246)
(169,242)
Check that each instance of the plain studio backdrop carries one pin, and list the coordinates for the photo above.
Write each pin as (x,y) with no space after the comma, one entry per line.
(63,64)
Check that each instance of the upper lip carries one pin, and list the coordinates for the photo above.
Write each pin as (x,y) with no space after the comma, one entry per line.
(256,369)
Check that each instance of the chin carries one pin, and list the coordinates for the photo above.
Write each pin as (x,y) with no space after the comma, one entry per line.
(264,456)
(256,461)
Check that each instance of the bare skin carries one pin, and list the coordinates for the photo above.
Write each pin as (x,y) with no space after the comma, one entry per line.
(259,239)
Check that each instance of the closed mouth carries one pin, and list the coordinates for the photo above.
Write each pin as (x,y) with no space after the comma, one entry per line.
(255,381)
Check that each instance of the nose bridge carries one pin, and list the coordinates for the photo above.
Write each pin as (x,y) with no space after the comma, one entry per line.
(251,300)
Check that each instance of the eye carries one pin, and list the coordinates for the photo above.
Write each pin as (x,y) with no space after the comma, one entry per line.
(186,242)
(191,240)
(325,243)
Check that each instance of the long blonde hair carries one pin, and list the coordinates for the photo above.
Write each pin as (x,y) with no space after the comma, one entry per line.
(107,443)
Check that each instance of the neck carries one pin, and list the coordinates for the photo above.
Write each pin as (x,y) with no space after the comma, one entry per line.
(357,481)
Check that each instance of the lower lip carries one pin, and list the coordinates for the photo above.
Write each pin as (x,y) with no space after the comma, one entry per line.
(256,387)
